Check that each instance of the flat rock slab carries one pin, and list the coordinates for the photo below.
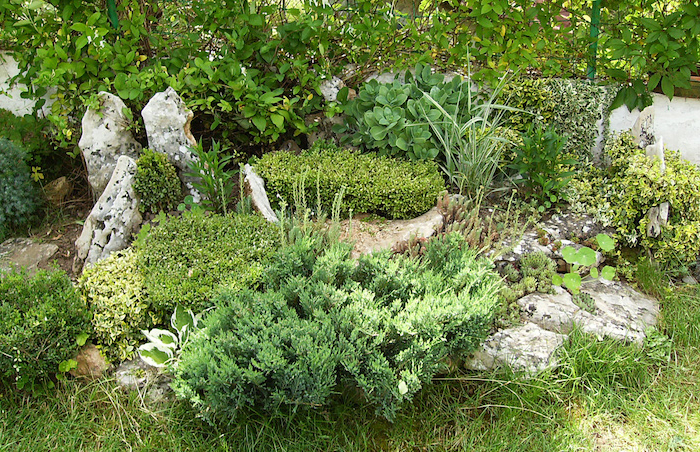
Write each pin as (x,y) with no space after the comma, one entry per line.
(392,232)
(620,312)
(23,252)
(527,348)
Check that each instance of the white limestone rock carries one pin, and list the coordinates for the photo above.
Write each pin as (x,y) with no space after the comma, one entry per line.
(106,137)
(25,253)
(656,152)
(527,349)
(620,312)
(330,88)
(113,219)
(643,128)
(255,187)
(167,121)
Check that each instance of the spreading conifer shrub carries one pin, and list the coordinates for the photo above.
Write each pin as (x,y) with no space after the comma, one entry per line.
(41,317)
(184,259)
(385,186)
(18,200)
(384,326)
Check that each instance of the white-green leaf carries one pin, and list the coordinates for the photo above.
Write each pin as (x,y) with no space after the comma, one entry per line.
(154,355)
(161,338)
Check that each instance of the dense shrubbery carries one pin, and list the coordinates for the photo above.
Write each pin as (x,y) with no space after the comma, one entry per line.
(622,195)
(184,259)
(385,326)
(114,291)
(570,107)
(156,182)
(18,200)
(380,185)
(41,318)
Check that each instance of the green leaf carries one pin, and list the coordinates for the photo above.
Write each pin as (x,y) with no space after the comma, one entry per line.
(605,241)
(277,120)
(569,254)
(81,339)
(608,273)
(594,273)
(586,257)
(65,366)
(667,86)
(260,123)
(557,280)
(572,281)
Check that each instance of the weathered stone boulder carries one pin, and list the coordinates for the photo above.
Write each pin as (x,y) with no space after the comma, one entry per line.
(24,253)
(167,121)
(106,137)
(58,190)
(620,312)
(525,348)
(91,363)
(113,219)
(643,128)
(136,375)
(255,188)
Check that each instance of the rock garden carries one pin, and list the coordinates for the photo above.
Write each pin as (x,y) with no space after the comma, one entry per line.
(255,233)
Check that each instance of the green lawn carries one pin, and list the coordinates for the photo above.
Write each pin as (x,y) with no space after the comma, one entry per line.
(605,396)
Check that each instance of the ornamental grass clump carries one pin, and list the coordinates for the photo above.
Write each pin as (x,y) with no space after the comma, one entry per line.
(321,323)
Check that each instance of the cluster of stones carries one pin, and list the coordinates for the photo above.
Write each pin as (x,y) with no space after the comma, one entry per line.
(619,311)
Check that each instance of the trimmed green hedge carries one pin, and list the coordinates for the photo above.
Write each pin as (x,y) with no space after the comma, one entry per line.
(384,326)
(41,317)
(385,186)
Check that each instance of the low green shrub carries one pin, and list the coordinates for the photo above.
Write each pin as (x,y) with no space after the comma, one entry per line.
(622,195)
(539,159)
(384,186)
(570,107)
(18,198)
(385,326)
(41,317)
(185,258)
(33,134)
(156,182)
(114,290)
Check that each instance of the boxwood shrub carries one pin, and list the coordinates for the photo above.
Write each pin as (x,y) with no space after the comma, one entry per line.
(184,259)
(385,186)
(41,317)
(384,326)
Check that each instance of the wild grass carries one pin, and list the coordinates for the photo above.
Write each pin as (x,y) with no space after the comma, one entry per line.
(605,396)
